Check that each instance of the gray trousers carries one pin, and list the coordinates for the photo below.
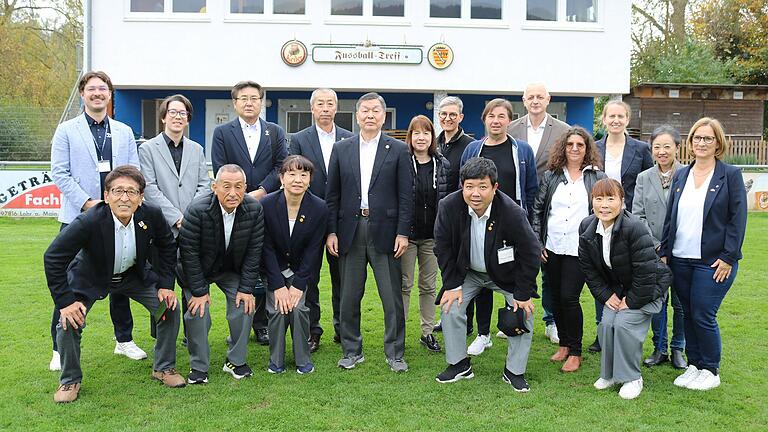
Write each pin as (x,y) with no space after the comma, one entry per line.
(198,328)
(354,272)
(455,325)
(278,325)
(68,341)
(424,251)
(621,335)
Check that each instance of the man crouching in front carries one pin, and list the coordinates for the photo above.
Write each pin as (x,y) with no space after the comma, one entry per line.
(483,240)
(108,248)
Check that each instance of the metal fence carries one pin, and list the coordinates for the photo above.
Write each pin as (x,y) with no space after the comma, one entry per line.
(26,132)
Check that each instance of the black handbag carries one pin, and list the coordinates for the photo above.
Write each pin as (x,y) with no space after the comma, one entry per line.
(512,323)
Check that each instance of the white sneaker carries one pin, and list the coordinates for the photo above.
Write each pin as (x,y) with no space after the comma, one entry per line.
(479,345)
(130,350)
(550,331)
(632,389)
(705,380)
(501,334)
(602,384)
(687,377)
(55,364)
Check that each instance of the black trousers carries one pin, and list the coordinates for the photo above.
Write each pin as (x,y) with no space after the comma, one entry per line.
(119,311)
(484,304)
(565,283)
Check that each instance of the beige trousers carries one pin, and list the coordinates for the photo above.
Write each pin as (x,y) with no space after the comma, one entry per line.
(423,250)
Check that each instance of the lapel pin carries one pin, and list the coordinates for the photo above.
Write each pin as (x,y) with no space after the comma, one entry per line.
(301,218)
(490,227)
(386,146)
(266,132)
(142,225)
(712,190)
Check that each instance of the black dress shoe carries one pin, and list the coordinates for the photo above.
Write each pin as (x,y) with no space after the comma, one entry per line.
(262,336)
(678,361)
(314,342)
(336,338)
(595,347)
(430,342)
(656,358)
(438,327)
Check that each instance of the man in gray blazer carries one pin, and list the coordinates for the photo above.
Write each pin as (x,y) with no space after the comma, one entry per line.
(174,168)
(541,131)
(83,151)
(316,143)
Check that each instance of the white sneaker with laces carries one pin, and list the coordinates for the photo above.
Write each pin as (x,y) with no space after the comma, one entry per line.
(550,331)
(687,377)
(602,384)
(501,334)
(130,350)
(479,345)
(705,380)
(55,364)
(632,389)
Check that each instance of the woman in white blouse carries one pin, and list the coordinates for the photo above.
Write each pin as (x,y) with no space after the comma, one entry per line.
(562,202)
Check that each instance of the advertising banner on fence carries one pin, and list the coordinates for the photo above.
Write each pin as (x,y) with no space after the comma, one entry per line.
(28,193)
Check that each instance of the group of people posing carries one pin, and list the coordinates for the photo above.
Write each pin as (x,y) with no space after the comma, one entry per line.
(533,194)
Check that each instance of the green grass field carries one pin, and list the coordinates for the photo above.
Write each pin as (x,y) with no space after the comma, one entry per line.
(117,393)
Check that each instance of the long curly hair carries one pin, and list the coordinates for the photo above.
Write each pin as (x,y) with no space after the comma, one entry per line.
(557,158)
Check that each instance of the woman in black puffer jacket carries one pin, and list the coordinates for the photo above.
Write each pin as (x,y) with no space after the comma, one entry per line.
(624,273)
(430,185)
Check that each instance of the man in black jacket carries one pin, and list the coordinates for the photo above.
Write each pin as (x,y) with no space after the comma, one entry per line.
(220,241)
(483,240)
(103,251)
(452,140)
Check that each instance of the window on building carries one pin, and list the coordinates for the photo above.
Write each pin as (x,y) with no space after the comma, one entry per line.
(246,6)
(562,10)
(298,120)
(347,7)
(541,10)
(147,5)
(469,9)
(168,6)
(486,9)
(194,6)
(445,8)
(581,10)
(394,8)
(289,7)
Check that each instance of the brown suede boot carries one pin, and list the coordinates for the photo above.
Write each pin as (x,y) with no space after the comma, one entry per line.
(572,364)
(560,355)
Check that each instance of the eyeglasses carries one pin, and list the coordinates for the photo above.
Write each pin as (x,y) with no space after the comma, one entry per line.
(119,192)
(174,113)
(699,138)
(246,99)
(97,88)
(443,115)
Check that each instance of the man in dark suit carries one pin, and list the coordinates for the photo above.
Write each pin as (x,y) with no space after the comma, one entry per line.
(258,147)
(483,240)
(369,195)
(103,251)
(316,143)
(220,241)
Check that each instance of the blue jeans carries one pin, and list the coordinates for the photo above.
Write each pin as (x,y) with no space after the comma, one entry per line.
(659,325)
(701,297)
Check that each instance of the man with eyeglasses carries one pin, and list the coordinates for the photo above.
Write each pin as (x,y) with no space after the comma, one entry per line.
(259,148)
(105,250)
(83,151)
(174,167)
(316,143)
(452,140)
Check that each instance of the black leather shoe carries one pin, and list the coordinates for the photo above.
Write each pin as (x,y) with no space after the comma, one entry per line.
(336,338)
(262,336)
(656,358)
(438,327)
(430,342)
(678,361)
(595,347)
(314,342)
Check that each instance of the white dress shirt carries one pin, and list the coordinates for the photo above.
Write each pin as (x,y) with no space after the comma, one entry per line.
(477,239)
(613,166)
(536,133)
(367,157)
(690,218)
(125,246)
(606,233)
(568,207)
(327,140)
(229,222)
(252,134)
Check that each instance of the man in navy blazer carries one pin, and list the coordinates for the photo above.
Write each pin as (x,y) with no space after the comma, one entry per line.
(316,143)
(259,148)
(369,196)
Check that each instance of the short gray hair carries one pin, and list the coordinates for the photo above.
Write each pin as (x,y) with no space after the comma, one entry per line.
(666,129)
(322,90)
(371,96)
(229,168)
(452,100)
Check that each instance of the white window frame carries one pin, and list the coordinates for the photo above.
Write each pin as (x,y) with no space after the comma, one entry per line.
(367,18)
(466,19)
(560,23)
(167,14)
(269,16)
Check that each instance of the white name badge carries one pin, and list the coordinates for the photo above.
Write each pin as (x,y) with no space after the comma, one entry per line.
(104,166)
(506,254)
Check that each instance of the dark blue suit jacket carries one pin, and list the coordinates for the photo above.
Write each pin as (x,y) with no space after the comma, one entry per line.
(307,143)
(390,193)
(725,214)
(636,159)
(229,148)
(297,250)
